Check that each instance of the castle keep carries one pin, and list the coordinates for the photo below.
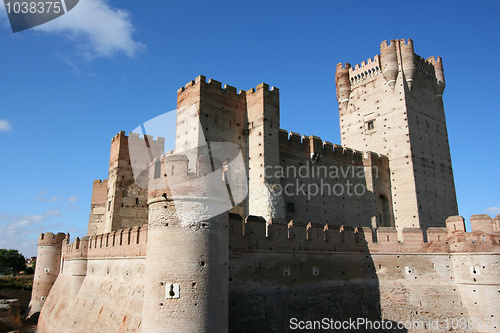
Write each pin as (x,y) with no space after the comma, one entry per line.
(244,226)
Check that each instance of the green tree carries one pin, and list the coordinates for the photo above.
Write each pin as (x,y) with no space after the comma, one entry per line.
(11,262)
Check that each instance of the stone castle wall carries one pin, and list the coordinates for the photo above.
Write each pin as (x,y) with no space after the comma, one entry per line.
(318,271)
(337,177)
(98,207)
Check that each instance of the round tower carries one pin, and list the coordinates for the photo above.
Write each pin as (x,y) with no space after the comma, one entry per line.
(186,287)
(343,83)
(48,263)
(408,56)
(389,62)
(438,69)
(79,264)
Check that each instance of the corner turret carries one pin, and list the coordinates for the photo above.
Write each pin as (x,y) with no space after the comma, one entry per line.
(438,69)
(47,269)
(409,58)
(389,62)
(343,83)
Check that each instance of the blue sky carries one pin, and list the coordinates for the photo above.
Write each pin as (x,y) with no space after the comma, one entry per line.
(70,85)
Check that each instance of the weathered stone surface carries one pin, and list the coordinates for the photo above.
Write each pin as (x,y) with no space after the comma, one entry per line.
(10,315)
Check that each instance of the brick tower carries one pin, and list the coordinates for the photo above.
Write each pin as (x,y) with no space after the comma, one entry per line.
(127,181)
(48,264)
(392,104)
(186,287)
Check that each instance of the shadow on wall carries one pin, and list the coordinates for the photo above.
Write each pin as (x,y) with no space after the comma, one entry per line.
(277,284)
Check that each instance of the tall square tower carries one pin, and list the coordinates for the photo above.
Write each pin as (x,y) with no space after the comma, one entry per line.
(392,104)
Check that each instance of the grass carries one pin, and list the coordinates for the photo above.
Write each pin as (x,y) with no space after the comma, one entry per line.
(24,282)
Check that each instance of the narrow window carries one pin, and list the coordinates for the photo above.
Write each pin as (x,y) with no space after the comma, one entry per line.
(290,207)
(157,168)
(384,212)
(370,125)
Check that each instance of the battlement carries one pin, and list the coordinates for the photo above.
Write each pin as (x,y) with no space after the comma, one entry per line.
(48,238)
(376,159)
(216,86)
(384,44)
(210,84)
(255,233)
(366,70)
(425,67)
(408,42)
(169,177)
(148,138)
(265,87)
(131,135)
(128,242)
(77,249)
(315,145)
(434,60)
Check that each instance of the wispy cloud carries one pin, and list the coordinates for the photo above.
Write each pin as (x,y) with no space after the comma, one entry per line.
(20,231)
(98,29)
(493,210)
(44,197)
(5,126)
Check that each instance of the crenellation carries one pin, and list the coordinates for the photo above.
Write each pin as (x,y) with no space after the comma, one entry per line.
(425,67)
(49,239)
(436,234)
(127,242)
(211,84)
(312,236)
(368,69)
(230,89)
(482,223)
(384,44)
(413,236)
(215,84)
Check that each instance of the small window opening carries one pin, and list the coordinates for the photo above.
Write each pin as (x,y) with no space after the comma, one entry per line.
(290,207)
(370,125)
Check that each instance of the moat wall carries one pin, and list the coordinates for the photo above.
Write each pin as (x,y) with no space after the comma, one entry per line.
(109,298)
(279,271)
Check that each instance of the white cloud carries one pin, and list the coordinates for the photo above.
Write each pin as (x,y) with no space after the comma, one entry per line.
(42,196)
(20,232)
(493,210)
(73,199)
(5,126)
(99,29)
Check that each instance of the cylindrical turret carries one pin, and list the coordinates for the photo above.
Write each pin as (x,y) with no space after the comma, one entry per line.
(48,262)
(389,62)
(408,55)
(438,69)
(186,287)
(343,83)
(79,264)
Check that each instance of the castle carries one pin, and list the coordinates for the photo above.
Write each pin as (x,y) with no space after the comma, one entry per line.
(245,227)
